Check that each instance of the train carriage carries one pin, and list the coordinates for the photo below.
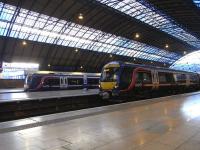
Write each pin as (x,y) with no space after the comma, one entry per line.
(60,80)
(125,79)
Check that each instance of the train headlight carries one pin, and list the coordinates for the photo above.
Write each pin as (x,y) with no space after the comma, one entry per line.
(116,86)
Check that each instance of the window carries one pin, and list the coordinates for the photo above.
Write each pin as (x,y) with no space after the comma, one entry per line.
(194,78)
(75,81)
(143,77)
(165,77)
(30,25)
(52,82)
(181,78)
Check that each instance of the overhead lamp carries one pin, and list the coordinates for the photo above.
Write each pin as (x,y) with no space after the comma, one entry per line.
(49,65)
(137,35)
(151,62)
(184,52)
(111,56)
(76,50)
(80,16)
(164,64)
(81,67)
(166,46)
(24,43)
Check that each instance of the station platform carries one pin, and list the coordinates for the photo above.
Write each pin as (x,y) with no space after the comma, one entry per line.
(27,96)
(11,90)
(166,123)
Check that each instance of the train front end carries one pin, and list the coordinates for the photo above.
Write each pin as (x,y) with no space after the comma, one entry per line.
(109,80)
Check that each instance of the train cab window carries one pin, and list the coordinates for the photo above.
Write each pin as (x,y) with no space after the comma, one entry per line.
(144,77)
(109,74)
(75,81)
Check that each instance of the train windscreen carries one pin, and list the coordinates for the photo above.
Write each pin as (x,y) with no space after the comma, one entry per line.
(109,74)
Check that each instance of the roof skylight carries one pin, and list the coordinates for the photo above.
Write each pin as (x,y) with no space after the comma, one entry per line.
(146,13)
(29,25)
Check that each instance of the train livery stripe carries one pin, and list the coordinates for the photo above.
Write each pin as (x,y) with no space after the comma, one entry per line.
(133,81)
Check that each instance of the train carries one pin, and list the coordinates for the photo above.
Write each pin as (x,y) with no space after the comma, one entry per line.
(121,79)
(46,80)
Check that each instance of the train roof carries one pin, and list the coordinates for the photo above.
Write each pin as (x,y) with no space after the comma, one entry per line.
(148,66)
(65,73)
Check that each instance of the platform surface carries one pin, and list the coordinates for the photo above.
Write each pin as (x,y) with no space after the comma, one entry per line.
(23,96)
(168,123)
(12,90)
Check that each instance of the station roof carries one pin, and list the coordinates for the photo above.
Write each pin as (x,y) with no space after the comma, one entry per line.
(86,34)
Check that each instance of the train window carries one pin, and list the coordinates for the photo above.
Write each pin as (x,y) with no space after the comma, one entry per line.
(75,81)
(143,77)
(194,78)
(162,77)
(181,78)
(126,77)
(147,77)
(36,79)
(52,82)
(93,81)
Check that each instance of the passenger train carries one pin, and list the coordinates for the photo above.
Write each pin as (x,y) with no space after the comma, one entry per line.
(120,79)
(45,80)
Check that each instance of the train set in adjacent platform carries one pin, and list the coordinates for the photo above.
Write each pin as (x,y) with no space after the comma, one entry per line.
(120,79)
(60,80)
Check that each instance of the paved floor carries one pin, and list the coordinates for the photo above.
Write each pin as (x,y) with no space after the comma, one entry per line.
(171,123)
(12,90)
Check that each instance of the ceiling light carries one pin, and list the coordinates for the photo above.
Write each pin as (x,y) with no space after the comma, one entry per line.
(80,16)
(137,35)
(49,65)
(81,67)
(111,56)
(166,46)
(24,43)
(184,52)
(76,50)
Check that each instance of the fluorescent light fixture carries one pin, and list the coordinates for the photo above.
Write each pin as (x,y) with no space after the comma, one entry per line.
(21,65)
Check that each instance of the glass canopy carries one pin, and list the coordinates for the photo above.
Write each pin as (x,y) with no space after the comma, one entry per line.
(28,25)
(197,2)
(189,62)
(146,13)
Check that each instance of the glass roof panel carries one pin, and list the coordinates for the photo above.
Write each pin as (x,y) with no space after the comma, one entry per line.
(29,25)
(146,13)
(197,2)
(189,62)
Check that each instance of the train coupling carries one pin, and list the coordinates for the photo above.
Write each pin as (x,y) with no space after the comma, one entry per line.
(105,95)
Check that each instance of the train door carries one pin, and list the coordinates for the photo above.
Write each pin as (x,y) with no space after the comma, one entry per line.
(187,80)
(63,82)
(85,82)
(154,79)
